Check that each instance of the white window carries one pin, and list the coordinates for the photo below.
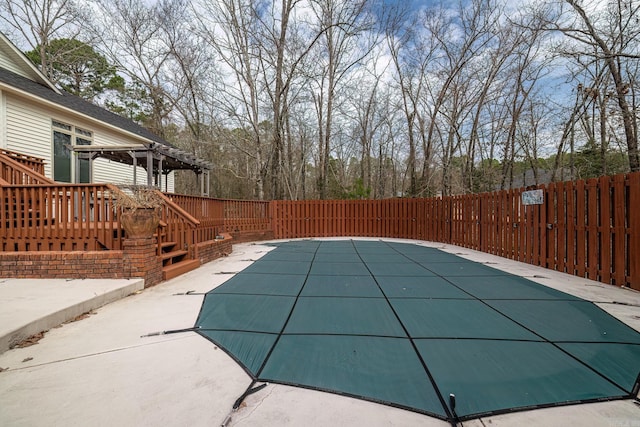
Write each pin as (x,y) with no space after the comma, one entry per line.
(65,136)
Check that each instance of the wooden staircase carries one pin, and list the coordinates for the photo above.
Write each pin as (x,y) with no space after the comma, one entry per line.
(175,260)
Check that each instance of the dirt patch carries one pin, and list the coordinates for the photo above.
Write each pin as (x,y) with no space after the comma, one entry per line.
(80,317)
(32,340)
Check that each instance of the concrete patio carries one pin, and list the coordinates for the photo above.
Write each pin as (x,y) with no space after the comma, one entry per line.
(100,370)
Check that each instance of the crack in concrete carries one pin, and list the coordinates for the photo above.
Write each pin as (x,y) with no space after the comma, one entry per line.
(99,353)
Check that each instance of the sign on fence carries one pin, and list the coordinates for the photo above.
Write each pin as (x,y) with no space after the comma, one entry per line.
(533,197)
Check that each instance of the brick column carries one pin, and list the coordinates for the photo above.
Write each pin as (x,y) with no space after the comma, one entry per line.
(140,260)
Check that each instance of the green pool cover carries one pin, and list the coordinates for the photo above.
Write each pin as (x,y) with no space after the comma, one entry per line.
(408,326)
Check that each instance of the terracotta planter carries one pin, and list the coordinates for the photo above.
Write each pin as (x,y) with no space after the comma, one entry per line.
(140,223)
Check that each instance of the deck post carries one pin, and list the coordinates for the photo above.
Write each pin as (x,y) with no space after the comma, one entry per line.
(634,230)
(149,168)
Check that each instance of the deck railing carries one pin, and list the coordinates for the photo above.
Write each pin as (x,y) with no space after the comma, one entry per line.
(246,215)
(223,215)
(78,217)
(17,171)
(36,164)
(209,212)
(58,217)
(177,228)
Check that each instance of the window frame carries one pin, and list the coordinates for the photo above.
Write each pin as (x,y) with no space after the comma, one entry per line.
(77,136)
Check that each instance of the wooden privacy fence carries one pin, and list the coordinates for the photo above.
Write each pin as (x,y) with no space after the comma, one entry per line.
(586,228)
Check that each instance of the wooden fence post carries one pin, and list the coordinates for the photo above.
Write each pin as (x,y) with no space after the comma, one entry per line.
(634,231)
(604,229)
(593,249)
(619,236)
(271,214)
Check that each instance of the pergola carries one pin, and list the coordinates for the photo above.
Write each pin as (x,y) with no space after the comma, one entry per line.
(157,159)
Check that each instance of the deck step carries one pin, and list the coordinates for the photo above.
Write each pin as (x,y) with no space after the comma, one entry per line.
(165,245)
(175,270)
(173,254)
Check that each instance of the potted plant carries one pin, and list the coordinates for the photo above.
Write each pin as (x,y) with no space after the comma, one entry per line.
(138,207)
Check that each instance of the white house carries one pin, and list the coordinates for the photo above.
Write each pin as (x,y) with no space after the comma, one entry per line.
(79,141)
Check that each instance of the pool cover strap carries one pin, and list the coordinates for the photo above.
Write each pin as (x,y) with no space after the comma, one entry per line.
(169,332)
(250,390)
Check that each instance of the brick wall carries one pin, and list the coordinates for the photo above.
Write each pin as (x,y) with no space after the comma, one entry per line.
(137,259)
(140,260)
(214,249)
(83,265)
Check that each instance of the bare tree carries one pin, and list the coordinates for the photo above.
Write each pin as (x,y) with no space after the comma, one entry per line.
(611,35)
(281,45)
(231,28)
(340,22)
(367,127)
(411,53)
(526,73)
(188,76)
(460,39)
(498,56)
(282,76)
(189,66)
(132,37)
(40,21)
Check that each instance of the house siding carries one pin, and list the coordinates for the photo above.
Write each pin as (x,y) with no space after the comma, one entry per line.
(8,64)
(171,183)
(26,129)
(3,120)
(105,171)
